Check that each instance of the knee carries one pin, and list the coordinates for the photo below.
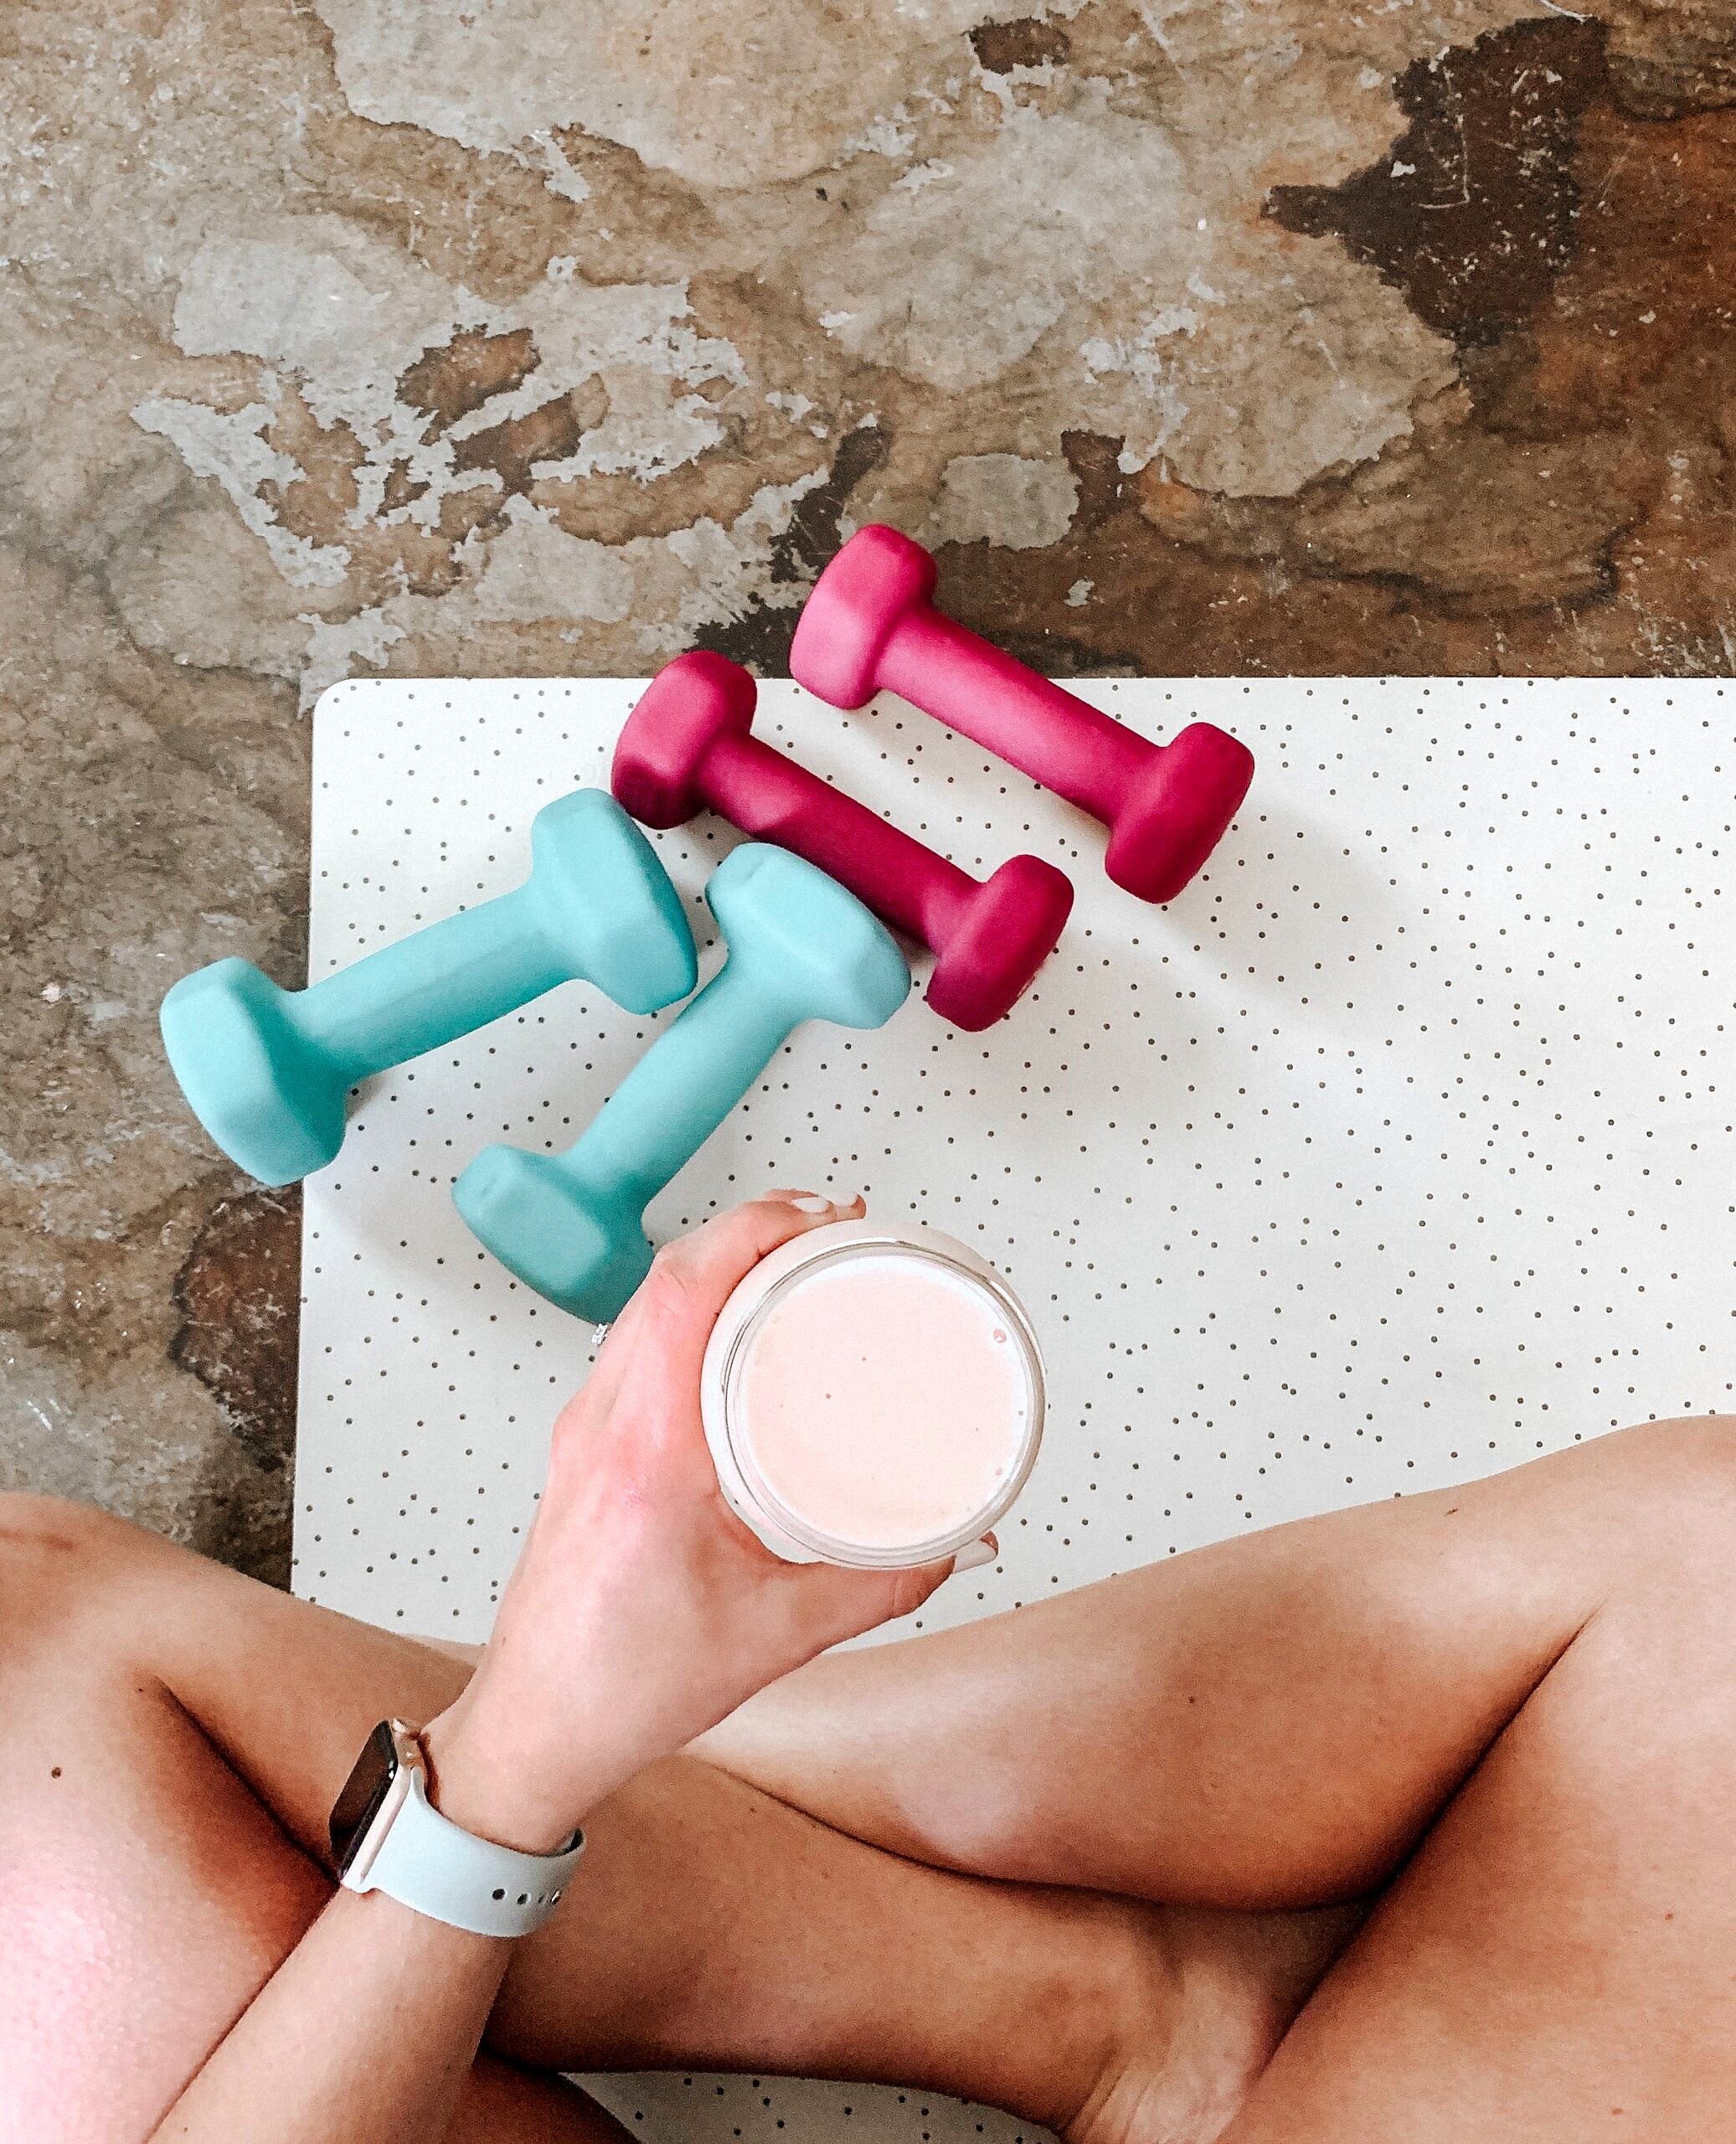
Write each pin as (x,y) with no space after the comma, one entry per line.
(55,1553)
(1693,1454)
(1675,1483)
(46,1526)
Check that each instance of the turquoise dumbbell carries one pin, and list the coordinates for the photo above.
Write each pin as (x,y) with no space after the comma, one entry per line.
(572,1225)
(267,1071)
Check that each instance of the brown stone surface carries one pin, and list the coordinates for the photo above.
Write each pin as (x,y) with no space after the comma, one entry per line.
(1473,211)
(348,337)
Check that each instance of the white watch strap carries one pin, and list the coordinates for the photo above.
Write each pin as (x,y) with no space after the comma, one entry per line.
(435,1866)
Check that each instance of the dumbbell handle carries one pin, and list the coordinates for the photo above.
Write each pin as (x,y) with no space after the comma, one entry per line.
(978,689)
(428,989)
(755,787)
(682,1088)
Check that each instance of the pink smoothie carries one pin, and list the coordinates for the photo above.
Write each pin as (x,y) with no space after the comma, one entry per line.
(883,1399)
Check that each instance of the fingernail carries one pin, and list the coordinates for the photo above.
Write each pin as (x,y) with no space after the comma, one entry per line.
(812,1203)
(976,1554)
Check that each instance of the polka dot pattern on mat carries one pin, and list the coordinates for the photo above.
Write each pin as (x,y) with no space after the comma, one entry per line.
(1395,1152)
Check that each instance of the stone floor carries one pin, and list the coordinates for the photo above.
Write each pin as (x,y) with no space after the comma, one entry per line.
(351,337)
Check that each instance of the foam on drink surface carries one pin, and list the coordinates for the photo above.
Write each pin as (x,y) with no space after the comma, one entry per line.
(883,1399)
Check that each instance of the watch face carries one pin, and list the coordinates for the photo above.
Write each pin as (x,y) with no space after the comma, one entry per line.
(363,1792)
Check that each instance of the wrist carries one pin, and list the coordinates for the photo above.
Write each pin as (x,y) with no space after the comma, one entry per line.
(492,1771)
(476,1782)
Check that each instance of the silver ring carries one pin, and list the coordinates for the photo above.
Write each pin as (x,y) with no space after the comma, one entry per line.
(600,1333)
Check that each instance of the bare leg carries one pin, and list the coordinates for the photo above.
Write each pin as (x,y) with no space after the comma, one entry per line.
(145,1893)
(1273,1722)
(1397,1653)
(1559,1961)
(1511,1705)
(718,1925)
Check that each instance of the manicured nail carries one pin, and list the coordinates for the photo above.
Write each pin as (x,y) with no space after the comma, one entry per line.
(975,1554)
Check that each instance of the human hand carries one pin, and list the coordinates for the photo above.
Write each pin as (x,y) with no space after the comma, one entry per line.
(642,1610)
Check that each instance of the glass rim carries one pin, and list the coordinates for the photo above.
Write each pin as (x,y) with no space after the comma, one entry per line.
(905,1555)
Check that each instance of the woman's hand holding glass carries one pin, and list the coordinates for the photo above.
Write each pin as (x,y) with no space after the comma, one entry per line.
(641,1609)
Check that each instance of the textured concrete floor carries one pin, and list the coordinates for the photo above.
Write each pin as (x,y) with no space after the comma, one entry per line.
(350,336)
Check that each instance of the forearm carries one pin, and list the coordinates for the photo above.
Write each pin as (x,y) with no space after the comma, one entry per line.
(371,2024)
(367,2028)
(639,1613)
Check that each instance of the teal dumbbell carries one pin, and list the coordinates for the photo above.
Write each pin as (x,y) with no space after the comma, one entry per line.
(572,1225)
(267,1070)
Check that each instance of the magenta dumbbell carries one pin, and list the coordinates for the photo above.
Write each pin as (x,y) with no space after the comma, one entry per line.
(689,744)
(869,626)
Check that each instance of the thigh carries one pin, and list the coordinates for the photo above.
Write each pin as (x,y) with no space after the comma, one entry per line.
(146,1893)
(1272,1722)
(176,1739)
(1558,1958)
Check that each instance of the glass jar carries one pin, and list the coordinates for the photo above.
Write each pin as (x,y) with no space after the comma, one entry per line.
(872,1396)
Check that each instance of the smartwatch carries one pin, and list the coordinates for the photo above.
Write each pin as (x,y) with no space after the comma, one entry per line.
(387,1836)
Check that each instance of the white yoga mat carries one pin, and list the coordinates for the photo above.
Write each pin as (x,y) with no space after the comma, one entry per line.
(1396,1151)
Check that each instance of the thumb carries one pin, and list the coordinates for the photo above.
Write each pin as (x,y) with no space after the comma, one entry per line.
(692,1277)
(837,1603)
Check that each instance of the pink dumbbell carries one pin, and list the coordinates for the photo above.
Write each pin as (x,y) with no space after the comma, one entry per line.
(689,744)
(869,626)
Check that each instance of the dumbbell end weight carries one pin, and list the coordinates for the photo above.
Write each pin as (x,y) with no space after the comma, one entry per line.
(1177,811)
(606,901)
(998,942)
(858,603)
(532,1212)
(262,1092)
(809,949)
(684,713)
